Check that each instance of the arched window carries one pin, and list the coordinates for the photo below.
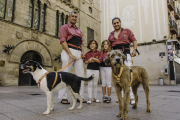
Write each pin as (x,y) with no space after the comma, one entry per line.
(37,15)
(43,15)
(2,8)
(30,20)
(66,21)
(10,14)
(57,23)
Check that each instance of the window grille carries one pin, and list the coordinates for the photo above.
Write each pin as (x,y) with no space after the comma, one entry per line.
(90,34)
(43,15)
(30,20)
(37,15)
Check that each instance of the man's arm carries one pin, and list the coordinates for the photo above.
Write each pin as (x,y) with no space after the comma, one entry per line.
(66,48)
(135,47)
(95,60)
(63,37)
(82,50)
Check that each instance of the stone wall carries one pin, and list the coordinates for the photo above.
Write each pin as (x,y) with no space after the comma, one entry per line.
(23,38)
(149,59)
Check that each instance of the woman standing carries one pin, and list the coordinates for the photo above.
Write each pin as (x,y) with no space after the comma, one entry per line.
(105,71)
(93,58)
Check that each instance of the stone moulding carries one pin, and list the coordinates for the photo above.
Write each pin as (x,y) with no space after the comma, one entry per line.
(19,35)
(31,45)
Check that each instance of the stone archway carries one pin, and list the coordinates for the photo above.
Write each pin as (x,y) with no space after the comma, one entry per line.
(31,45)
(27,79)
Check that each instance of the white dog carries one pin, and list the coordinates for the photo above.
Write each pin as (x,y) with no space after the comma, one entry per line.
(53,81)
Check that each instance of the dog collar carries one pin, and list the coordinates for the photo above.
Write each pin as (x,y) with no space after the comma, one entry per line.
(42,78)
(119,75)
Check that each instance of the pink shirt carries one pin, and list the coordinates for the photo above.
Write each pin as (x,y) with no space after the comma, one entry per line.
(95,54)
(104,55)
(125,37)
(67,31)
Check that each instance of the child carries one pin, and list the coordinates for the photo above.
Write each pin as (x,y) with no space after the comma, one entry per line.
(93,58)
(105,71)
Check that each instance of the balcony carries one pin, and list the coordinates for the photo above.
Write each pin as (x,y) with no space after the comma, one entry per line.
(170,4)
(177,13)
(173,27)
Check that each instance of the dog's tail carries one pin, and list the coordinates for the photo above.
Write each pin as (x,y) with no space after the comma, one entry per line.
(87,79)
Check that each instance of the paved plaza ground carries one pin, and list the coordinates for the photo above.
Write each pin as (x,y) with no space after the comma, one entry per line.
(29,102)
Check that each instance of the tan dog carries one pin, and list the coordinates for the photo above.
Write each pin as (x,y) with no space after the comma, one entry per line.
(116,60)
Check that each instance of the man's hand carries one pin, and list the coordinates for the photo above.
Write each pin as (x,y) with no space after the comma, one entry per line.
(133,53)
(73,57)
(82,55)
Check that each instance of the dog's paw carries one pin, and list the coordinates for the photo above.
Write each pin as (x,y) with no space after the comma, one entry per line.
(46,112)
(52,109)
(80,107)
(148,110)
(124,118)
(119,115)
(134,107)
(71,108)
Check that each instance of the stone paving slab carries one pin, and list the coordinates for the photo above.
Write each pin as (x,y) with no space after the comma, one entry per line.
(17,103)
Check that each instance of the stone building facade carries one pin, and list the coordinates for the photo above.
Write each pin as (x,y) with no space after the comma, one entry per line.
(29,30)
(155,24)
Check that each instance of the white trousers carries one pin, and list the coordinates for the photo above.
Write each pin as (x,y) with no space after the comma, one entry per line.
(128,63)
(106,75)
(92,83)
(79,70)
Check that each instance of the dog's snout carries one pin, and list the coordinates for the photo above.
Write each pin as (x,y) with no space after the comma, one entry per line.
(21,66)
(118,59)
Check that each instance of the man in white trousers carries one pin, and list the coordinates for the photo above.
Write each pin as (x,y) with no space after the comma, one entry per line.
(121,39)
(72,43)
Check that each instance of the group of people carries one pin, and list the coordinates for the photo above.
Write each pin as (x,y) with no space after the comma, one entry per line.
(72,42)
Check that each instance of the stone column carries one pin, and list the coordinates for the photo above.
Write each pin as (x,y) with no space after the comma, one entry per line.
(64,17)
(60,21)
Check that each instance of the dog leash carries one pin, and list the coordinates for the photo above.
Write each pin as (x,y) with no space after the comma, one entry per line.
(134,56)
(55,80)
(70,63)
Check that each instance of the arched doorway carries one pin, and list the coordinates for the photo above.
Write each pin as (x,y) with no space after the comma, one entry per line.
(27,79)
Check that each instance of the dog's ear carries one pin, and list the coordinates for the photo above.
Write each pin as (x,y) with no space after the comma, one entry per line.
(38,65)
(123,56)
(106,60)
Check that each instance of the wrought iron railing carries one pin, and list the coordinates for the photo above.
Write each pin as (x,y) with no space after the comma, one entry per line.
(172,2)
(178,11)
(173,24)
(178,32)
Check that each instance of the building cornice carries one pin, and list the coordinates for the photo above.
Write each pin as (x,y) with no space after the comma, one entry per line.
(150,43)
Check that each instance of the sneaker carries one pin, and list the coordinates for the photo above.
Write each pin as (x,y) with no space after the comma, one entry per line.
(104,98)
(108,100)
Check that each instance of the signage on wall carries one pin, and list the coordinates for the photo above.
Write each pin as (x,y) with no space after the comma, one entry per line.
(170,52)
(161,54)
